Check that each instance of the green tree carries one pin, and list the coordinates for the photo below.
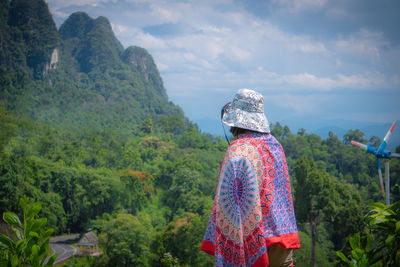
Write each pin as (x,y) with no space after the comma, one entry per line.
(277,130)
(28,244)
(301,132)
(346,216)
(313,191)
(147,125)
(286,132)
(337,152)
(323,252)
(191,138)
(182,238)
(126,242)
(138,187)
(355,135)
(374,141)
(7,127)
(172,124)
(184,192)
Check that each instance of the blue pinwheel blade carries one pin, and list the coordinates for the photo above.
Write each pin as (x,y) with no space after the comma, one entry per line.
(386,139)
(368,148)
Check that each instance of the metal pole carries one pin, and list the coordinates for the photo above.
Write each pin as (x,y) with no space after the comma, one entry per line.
(378,162)
(387,182)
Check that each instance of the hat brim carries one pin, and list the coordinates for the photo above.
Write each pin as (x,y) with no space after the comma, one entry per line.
(246,120)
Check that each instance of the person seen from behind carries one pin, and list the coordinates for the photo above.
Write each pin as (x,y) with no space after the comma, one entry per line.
(252,222)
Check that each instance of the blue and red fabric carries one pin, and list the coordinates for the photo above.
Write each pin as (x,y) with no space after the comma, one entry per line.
(253,207)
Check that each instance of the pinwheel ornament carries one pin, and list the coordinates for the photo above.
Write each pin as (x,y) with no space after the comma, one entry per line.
(381,153)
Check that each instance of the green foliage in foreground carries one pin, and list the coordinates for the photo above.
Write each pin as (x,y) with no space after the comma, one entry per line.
(379,245)
(28,242)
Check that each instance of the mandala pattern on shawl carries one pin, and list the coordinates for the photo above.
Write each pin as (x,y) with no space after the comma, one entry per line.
(238,195)
(237,212)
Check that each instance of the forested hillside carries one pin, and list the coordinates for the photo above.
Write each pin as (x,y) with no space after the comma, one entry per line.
(77,76)
(87,129)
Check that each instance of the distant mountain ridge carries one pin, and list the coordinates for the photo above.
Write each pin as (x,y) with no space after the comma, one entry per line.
(77,76)
(378,130)
(370,129)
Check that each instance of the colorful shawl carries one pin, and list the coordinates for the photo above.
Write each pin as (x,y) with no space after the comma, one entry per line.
(253,207)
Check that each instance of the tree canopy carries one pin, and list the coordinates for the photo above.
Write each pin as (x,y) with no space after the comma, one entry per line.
(94,138)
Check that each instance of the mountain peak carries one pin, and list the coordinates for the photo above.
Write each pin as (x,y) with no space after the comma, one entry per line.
(77,25)
(143,62)
(94,44)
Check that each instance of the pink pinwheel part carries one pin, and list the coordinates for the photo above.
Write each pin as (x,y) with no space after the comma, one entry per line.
(357,144)
(389,133)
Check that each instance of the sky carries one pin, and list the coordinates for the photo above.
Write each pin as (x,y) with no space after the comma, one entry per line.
(316,62)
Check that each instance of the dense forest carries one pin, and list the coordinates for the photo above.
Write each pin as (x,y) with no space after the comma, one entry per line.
(86,128)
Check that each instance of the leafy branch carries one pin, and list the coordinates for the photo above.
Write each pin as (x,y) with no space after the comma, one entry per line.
(28,242)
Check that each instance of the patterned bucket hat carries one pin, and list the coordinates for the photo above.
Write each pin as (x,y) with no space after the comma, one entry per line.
(246,111)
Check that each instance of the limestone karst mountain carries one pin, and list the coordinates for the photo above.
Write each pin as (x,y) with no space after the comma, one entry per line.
(77,76)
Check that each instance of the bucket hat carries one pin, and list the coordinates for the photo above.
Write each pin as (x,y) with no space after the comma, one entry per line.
(246,111)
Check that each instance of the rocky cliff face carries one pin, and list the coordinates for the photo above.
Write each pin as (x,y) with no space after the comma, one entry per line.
(32,28)
(143,62)
(28,37)
(52,65)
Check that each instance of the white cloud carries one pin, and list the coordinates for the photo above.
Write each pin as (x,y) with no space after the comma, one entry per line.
(307,80)
(137,1)
(63,3)
(295,6)
(148,41)
(239,53)
(165,14)
(363,43)
(119,29)
(308,47)
(162,67)
(61,14)
(215,29)
(300,104)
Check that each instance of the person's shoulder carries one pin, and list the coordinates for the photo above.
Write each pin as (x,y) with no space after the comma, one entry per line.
(242,141)
(273,140)
(239,145)
(267,141)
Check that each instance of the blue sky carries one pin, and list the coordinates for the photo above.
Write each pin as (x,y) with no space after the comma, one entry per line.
(315,61)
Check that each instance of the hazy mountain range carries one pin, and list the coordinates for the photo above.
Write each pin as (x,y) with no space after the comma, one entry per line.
(317,126)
